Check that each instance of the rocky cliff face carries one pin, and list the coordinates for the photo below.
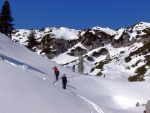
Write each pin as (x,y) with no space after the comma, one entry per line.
(93,39)
(52,47)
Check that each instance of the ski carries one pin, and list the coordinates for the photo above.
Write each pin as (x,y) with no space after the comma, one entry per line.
(71,87)
(54,82)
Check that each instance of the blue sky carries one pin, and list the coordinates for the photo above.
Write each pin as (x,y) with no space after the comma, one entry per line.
(78,14)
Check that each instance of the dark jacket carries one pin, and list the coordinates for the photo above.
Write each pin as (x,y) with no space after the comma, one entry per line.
(64,79)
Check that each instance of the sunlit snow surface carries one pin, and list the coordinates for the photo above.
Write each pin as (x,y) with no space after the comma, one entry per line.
(26,83)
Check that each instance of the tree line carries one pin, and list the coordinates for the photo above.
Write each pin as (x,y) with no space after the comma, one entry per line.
(6,25)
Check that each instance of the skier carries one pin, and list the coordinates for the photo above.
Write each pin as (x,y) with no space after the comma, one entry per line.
(55,69)
(64,81)
(57,74)
(73,68)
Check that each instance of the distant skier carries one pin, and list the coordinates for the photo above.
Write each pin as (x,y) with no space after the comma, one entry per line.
(64,81)
(73,67)
(55,69)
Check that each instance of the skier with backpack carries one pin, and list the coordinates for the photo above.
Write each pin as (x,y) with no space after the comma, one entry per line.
(57,74)
(55,69)
(64,81)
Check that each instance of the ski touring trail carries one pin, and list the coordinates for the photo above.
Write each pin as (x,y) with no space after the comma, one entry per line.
(93,107)
(96,108)
(90,103)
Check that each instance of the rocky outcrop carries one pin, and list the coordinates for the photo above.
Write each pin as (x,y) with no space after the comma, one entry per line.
(92,39)
(55,46)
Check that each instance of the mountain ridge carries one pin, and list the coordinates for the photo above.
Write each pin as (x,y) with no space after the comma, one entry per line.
(95,44)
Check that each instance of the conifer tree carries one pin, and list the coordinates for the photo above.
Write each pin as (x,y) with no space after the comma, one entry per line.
(80,64)
(6,25)
(32,42)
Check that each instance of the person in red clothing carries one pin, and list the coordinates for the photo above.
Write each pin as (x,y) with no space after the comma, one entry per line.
(55,69)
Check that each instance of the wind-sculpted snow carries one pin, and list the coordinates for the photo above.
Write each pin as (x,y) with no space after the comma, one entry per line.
(19,64)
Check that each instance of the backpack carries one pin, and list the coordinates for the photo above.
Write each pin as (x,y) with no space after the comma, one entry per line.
(57,72)
(64,79)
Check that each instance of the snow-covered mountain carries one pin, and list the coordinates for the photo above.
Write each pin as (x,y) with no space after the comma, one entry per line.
(126,48)
(26,83)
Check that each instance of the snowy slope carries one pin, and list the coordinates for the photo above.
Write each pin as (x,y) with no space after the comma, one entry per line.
(117,68)
(26,83)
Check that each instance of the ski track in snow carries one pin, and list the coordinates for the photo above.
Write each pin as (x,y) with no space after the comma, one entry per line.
(89,103)
(19,64)
(92,104)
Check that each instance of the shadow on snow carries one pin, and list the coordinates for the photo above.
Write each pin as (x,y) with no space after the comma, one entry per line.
(3,57)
